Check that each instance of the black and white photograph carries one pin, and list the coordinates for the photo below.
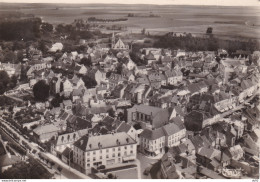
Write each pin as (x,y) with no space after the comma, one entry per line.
(127,89)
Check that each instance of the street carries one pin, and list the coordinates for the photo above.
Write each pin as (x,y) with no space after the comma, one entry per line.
(145,162)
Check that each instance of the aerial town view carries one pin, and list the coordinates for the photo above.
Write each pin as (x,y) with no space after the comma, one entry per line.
(129,91)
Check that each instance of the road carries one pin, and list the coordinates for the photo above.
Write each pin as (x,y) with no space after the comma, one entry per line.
(67,171)
(145,162)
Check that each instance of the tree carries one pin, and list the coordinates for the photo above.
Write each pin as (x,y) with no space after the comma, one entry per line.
(10,57)
(31,170)
(57,100)
(47,27)
(137,126)
(89,82)
(4,81)
(143,31)
(86,62)
(41,91)
(111,112)
(42,46)
(209,30)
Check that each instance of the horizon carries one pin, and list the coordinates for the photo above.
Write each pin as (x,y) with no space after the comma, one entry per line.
(238,3)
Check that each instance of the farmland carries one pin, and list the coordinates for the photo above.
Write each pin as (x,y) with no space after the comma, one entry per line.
(227,22)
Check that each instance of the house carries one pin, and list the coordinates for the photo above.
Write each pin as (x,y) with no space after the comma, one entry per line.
(107,150)
(66,141)
(153,142)
(150,58)
(150,116)
(44,133)
(212,158)
(80,69)
(11,69)
(66,105)
(128,129)
(55,85)
(67,156)
(56,47)
(174,132)
(168,169)
(115,79)
(154,79)
(97,75)
(236,152)
(6,159)
(67,87)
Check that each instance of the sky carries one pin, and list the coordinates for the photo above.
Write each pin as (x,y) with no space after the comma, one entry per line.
(160,2)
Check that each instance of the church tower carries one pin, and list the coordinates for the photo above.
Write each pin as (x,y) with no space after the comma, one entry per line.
(113,41)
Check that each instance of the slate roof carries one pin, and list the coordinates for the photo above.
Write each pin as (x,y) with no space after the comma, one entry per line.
(89,143)
(49,128)
(152,134)
(124,127)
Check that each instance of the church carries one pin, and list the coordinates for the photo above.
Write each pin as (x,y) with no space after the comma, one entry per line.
(119,45)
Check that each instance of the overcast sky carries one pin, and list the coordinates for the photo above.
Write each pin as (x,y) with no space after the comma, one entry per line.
(161,2)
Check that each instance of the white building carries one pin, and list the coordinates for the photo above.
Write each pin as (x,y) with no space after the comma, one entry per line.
(110,149)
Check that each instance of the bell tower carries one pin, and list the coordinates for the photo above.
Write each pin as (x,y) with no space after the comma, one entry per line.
(113,40)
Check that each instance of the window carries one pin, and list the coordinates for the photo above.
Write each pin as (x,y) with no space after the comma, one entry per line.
(101,151)
(113,155)
(114,149)
(100,157)
(94,159)
(131,151)
(119,149)
(119,154)
(107,156)
(88,153)
(132,146)
(88,160)
(107,150)
(125,147)
(94,152)
(88,165)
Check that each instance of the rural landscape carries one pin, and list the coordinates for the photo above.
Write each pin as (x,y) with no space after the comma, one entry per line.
(129,91)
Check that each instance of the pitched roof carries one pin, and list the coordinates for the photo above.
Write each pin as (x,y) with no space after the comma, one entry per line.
(6,160)
(124,127)
(88,143)
(43,129)
(172,128)
(153,134)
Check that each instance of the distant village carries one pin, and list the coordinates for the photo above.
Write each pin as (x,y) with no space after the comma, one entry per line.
(181,115)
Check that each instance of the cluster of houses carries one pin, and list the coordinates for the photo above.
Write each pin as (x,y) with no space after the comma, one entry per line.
(179,104)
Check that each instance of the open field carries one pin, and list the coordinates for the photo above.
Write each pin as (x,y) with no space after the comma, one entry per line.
(234,22)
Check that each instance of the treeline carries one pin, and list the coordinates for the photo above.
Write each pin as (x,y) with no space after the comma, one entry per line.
(190,43)
(27,29)
(73,33)
(106,20)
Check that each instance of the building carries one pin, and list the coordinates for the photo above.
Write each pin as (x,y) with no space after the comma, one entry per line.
(44,133)
(153,142)
(107,150)
(152,117)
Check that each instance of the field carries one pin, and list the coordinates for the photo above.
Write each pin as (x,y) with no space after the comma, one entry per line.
(228,22)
